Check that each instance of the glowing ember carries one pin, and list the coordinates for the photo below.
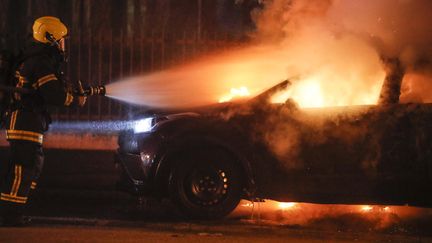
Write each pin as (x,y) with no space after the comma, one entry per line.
(247,204)
(366,208)
(297,213)
(286,205)
(235,93)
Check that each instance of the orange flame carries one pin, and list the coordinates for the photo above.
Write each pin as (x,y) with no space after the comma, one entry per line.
(235,93)
(300,213)
(315,92)
(287,205)
(366,208)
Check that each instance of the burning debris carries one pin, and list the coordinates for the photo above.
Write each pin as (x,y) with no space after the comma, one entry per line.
(338,217)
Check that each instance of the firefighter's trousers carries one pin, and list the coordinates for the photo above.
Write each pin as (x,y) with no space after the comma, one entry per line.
(22,172)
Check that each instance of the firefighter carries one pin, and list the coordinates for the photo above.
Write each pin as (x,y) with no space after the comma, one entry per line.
(39,72)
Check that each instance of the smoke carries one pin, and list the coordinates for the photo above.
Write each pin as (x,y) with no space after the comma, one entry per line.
(320,138)
(333,68)
(396,29)
(344,32)
(336,51)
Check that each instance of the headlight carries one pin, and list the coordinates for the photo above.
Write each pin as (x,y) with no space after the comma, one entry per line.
(144,125)
(146,158)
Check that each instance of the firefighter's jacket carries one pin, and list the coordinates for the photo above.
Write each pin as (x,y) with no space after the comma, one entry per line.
(38,72)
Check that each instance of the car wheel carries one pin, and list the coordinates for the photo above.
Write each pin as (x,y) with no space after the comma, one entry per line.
(206,184)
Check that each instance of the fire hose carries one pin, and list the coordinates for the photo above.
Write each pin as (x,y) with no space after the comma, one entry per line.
(80,91)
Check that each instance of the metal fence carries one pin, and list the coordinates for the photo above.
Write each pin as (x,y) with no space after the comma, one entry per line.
(110,40)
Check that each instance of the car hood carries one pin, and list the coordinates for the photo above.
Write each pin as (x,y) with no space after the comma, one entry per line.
(258,100)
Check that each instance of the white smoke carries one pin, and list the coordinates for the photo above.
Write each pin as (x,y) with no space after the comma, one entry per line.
(348,37)
(335,49)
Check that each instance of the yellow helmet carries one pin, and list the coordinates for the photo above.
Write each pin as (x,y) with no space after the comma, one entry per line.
(49,24)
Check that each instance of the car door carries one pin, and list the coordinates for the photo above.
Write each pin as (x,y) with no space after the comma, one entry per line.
(340,160)
(324,154)
(405,142)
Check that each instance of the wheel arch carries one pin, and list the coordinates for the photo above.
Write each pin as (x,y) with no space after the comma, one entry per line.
(185,145)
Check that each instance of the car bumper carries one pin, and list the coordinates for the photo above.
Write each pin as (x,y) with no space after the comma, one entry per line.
(134,173)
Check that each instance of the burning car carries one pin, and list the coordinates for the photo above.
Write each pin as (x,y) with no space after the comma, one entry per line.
(207,159)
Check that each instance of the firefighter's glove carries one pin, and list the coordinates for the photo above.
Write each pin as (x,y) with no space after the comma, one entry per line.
(81,100)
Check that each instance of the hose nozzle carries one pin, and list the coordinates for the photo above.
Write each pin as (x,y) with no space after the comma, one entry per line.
(91,90)
(95,90)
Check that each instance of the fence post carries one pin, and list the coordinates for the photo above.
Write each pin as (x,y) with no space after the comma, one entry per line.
(184,42)
(89,70)
(121,69)
(152,51)
(110,69)
(99,98)
(142,41)
(199,19)
(78,111)
(163,48)
(131,64)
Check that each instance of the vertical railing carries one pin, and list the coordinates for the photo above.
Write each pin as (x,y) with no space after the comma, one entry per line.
(131,42)
(121,67)
(141,45)
(99,99)
(110,71)
(89,69)
(152,61)
(79,71)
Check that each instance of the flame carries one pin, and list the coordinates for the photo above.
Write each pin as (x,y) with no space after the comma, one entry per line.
(247,204)
(304,214)
(298,206)
(314,92)
(287,205)
(366,208)
(316,82)
(235,93)
(307,94)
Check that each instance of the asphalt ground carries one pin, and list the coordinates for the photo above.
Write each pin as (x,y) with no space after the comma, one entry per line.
(76,201)
(187,233)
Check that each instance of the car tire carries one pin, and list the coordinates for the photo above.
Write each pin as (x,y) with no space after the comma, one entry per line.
(206,184)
